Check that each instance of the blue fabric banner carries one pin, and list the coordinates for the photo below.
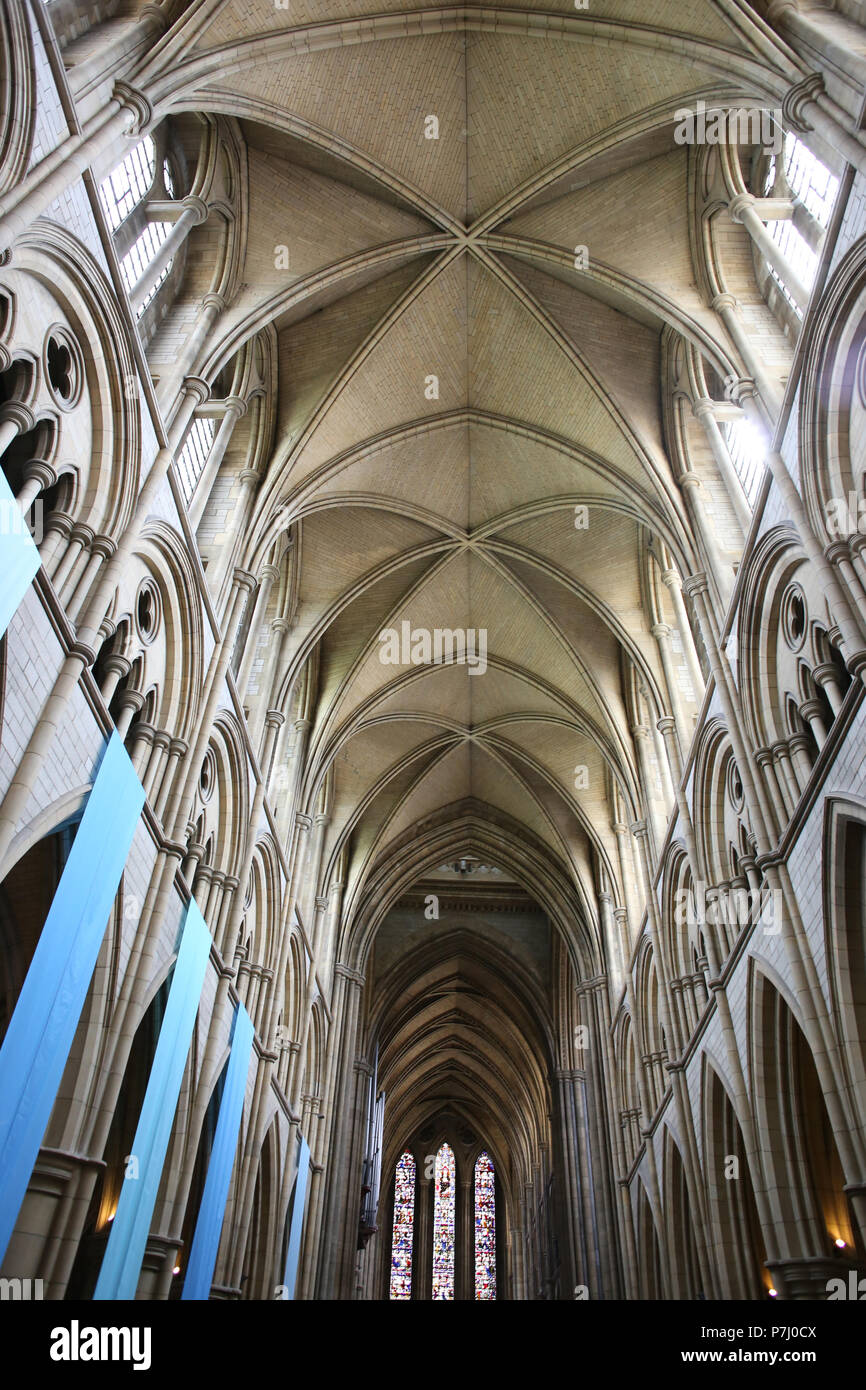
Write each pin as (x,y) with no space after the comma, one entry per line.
(19,558)
(290,1278)
(121,1265)
(208,1226)
(42,1027)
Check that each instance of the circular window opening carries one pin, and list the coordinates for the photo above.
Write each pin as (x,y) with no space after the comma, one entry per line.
(794,617)
(147,611)
(64,370)
(207,777)
(735,786)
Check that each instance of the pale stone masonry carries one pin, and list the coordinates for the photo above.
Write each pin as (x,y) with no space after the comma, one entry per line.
(469,327)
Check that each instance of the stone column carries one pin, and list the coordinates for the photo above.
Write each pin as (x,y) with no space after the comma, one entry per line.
(248,480)
(15,418)
(808,26)
(38,475)
(692,488)
(814,716)
(825,676)
(747,209)
(684,726)
(770,389)
(273,724)
(338,1178)
(627,874)
(267,576)
(674,586)
(101,550)
(192,212)
(177,749)
(117,668)
(641,738)
(234,409)
(211,307)
(127,112)
(704,410)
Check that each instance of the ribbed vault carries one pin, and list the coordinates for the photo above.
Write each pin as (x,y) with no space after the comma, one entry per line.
(476,250)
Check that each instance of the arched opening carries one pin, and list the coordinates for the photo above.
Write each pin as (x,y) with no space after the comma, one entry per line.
(684,1265)
(806,1165)
(649,1254)
(26,895)
(257,1278)
(740,1249)
(444,1190)
(199,1175)
(120,1163)
(485,1227)
(402,1228)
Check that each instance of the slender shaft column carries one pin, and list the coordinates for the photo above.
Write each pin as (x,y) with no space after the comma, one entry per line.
(235,408)
(664,772)
(15,419)
(723,578)
(128,112)
(641,739)
(814,716)
(770,388)
(120,41)
(212,306)
(38,475)
(616,965)
(745,208)
(280,629)
(177,813)
(808,26)
(674,586)
(267,576)
(629,885)
(131,703)
(177,749)
(704,410)
(662,633)
(80,537)
(195,211)
(117,668)
(309,885)
(273,724)
(160,745)
(338,1178)
(101,549)
(825,676)
(248,480)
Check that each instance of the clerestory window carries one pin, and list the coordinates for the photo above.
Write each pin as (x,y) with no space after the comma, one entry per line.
(812,189)
(194,455)
(122,194)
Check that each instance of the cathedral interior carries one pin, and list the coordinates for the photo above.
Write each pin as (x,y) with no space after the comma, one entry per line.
(433,615)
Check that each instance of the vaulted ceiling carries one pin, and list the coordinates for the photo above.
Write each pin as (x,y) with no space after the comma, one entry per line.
(383,258)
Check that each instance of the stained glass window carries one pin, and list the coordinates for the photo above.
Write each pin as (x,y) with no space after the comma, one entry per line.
(404,1226)
(485,1228)
(443,1225)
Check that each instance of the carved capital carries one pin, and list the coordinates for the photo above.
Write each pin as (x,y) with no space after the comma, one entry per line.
(133,100)
(799,98)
